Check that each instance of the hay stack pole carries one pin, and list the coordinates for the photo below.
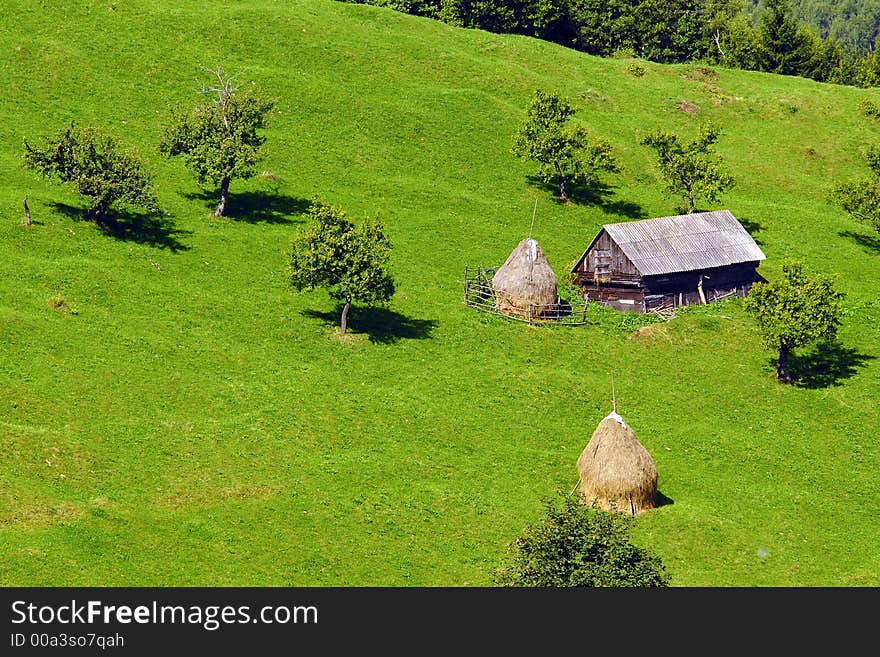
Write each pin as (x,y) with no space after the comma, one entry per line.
(534,212)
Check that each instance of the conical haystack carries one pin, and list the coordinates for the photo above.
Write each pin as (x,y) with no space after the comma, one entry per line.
(526,280)
(616,472)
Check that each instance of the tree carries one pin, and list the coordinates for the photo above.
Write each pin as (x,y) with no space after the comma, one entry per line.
(350,261)
(716,19)
(603,26)
(742,44)
(795,311)
(690,169)
(824,59)
(668,31)
(96,168)
(786,47)
(861,199)
(577,545)
(868,70)
(219,140)
(565,153)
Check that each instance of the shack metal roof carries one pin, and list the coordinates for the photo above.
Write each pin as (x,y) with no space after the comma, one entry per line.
(685,242)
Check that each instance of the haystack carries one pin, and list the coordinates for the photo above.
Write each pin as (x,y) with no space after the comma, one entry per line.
(525,279)
(616,472)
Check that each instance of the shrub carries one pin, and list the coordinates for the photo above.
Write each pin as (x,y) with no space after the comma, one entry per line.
(59,302)
(869,109)
(96,167)
(576,545)
(636,69)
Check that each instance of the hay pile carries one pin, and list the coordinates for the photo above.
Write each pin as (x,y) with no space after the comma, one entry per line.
(616,472)
(526,279)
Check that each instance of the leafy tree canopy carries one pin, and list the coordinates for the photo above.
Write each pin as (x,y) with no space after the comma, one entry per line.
(219,140)
(576,545)
(349,261)
(795,311)
(565,154)
(690,169)
(861,199)
(95,167)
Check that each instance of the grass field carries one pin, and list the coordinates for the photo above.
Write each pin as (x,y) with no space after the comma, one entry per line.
(184,418)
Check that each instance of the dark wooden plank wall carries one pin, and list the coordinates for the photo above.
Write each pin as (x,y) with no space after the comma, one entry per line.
(681,289)
(628,290)
(621,267)
(628,298)
(672,290)
(718,277)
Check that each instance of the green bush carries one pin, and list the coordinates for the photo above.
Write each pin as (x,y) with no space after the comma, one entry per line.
(92,163)
(636,69)
(869,109)
(576,545)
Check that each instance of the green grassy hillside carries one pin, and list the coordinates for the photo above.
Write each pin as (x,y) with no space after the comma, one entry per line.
(188,420)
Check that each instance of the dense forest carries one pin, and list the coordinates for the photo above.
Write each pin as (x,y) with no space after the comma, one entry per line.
(852,23)
(831,41)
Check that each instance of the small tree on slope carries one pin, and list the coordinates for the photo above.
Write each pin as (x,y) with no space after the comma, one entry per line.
(350,261)
(861,199)
(576,545)
(96,168)
(566,154)
(219,140)
(690,170)
(795,311)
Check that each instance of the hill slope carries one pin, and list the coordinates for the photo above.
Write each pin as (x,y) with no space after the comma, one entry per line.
(193,422)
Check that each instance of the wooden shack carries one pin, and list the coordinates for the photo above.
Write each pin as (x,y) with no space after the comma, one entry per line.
(666,262)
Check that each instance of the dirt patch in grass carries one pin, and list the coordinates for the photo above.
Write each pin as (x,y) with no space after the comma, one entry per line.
(702,73)
(651,333)
(688,107)
(42,515)
(202,497)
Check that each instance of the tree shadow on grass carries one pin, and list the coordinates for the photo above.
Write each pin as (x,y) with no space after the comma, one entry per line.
(597,194)
(825,366)
(267,207)
(383,326)
(151,229)
(752,227)
(867,242)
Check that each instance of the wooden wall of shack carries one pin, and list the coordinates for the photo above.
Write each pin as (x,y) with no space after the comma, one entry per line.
(607,276)
(683,288)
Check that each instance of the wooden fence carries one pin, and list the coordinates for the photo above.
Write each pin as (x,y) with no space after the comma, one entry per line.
(479,294)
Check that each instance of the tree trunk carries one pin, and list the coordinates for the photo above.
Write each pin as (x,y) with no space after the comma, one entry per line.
(782,372)
(224,195)
(717,37)
(343,325)
(563,195)
(97,213)
(27,212)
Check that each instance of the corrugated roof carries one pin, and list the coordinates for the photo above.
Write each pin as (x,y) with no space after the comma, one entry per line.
(684,242)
